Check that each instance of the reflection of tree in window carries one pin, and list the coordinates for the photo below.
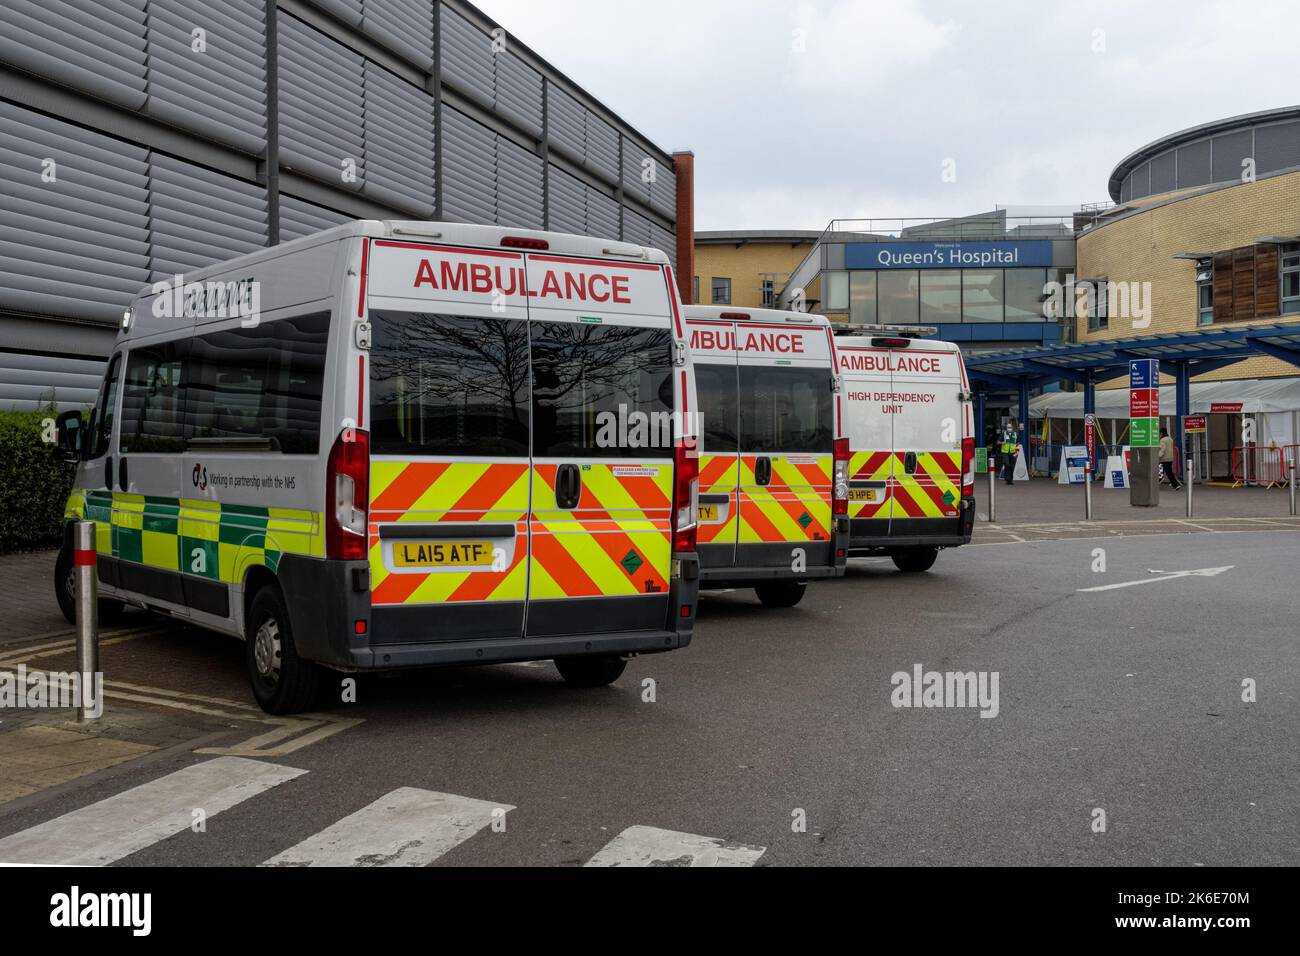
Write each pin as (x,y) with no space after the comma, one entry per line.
(448,385)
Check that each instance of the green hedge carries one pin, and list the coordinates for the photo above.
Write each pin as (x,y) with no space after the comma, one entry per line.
(34,485)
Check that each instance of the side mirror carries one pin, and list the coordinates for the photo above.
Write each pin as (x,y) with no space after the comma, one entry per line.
(69,435)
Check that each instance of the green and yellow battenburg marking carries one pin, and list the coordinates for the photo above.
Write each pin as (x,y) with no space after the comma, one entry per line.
(206,539)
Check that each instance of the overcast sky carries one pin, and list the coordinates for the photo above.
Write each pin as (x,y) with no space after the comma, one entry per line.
(801,112)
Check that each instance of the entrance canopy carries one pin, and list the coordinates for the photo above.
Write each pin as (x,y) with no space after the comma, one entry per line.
(1253,396)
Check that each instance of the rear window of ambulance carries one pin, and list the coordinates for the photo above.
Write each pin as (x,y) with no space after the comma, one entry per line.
(448,385)
(785,409)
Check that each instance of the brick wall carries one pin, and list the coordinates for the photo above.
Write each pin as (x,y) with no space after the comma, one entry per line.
(744,265)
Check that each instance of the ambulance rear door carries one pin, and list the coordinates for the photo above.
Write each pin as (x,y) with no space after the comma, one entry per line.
(786,442)
(928,426)
(450,412)
(604,337)
(870,430)
(713,354)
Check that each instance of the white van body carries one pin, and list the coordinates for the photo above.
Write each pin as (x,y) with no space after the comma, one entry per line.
(909,421)
(398,431)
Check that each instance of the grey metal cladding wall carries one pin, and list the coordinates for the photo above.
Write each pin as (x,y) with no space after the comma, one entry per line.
(634,156)
(568,202)
(1228,152)
(95,46)
(321,105)
(664,241)
(1163,173)
(566,122)
(220,91)
(301,218)
(76,245)
(403,26)
(198,217)
(468,169)
(398,143)
(1194,164)
(34,380)
(602,214)
(517,92)
(519,185)
(349,11)
(636,228)
(1277,146)
(602,147)
(466,57)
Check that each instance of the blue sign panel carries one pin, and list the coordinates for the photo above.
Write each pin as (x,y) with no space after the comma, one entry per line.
(1144,373)
(954,254)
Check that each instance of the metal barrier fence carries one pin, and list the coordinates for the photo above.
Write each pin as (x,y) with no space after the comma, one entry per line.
(1253,465)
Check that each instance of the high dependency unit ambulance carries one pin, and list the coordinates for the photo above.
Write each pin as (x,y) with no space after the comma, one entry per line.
(393,444)
(770,514)
(908,418)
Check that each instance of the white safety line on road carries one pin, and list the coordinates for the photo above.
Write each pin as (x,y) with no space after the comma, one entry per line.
(130,821)
(407,827)
(650,846)
(1167,576)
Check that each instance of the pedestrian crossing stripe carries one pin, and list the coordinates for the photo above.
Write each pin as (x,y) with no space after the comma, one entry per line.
(407,826)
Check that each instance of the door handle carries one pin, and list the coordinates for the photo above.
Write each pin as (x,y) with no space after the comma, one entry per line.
(121,474)
(108,472)
(909,463)
(763,471)
(568,487)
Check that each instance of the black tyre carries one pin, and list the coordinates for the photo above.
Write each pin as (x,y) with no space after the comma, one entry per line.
(283,682)
(110,612)
(780,593)
(915,560)
(590,671)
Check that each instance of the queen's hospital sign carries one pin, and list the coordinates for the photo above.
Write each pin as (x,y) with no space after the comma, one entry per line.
(985,254)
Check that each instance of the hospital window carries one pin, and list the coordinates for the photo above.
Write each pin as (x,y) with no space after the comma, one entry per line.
(1205,291)
(769,293)
(837,292)
(695,290)
(721,291)
(1291,279)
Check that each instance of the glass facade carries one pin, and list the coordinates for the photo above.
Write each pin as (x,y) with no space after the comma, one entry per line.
(939,296)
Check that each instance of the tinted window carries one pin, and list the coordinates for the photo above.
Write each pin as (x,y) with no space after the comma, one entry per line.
(784,409)
(444,385)
(716,387)
(100,426)
(151,400)
(264,382)
(601,391)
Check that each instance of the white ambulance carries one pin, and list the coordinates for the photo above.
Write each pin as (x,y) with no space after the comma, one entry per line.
(395,444)
(909,422)
(770,515)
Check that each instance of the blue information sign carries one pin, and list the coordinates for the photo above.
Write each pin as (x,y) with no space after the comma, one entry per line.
(1144,373)
(954,254)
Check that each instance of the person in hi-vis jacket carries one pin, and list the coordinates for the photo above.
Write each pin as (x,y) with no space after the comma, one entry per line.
(1008,450)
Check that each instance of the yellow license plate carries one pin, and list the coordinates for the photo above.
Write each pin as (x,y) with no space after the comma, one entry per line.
(708,512)
(441,554)
(869,495)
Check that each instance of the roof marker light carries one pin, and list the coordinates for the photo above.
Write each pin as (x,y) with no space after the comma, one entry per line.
(734,315)
(523,242)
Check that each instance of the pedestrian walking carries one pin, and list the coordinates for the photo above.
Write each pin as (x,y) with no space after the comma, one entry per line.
(1167,459)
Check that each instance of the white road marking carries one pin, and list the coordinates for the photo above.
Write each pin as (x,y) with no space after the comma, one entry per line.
(1168,576)
(650,846)
(142,816)
(407,827)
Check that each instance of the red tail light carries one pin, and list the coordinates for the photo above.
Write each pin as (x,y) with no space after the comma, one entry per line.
(890,343)
(840,501)
(347,496)
(968,467)
(686,495)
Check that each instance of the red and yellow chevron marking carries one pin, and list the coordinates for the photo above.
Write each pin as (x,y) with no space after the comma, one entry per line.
(920,495)
(718,477)
(617,541)
(794,506)
(441,491)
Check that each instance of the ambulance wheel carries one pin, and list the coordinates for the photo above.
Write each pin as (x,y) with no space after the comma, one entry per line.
(780,593)
(590,671)
(915,560)
(65,592)
(283,682)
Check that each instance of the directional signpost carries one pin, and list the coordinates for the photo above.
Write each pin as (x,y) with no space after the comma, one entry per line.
(1090,443)
(1144,432)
